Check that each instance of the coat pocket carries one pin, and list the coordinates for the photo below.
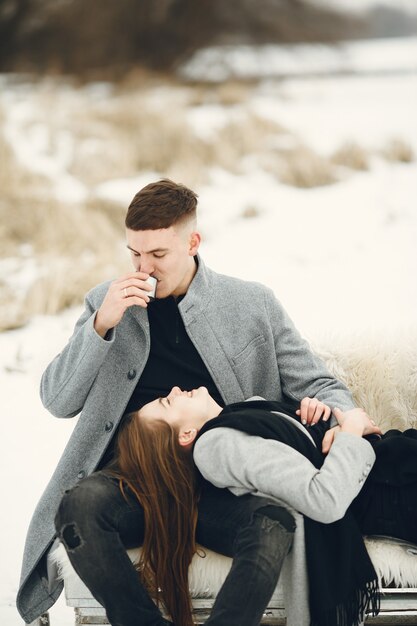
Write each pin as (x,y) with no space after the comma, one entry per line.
(251,347)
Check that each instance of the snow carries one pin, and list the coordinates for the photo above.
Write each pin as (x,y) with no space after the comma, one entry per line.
(28,459)
(378,56)
(34,148)
(325,113)
(361,6)
(19,273)
(122,190)
(317,257)
(340,257)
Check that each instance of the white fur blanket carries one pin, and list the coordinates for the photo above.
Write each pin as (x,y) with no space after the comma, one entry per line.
(380,370)
(394,561)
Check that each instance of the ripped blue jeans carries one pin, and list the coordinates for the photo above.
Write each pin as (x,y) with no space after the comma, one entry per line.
(97,524)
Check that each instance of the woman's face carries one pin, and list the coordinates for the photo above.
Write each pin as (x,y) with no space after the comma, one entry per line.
(181,408)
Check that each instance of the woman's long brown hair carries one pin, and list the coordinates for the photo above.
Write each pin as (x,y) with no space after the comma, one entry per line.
(162,476)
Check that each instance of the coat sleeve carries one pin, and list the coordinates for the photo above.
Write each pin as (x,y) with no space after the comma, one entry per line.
(247,464)
(302,372)
(67,380)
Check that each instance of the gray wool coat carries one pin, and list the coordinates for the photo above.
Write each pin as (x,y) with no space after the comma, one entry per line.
(246,340)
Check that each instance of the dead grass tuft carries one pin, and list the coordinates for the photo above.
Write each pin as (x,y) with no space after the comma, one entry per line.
(351,155)
(67,284)
(250,212)
(53,228)
(398,150)
(132,137)
(228,93)
(16,182)
(246,136)
(74,247)
(111,211)
(62,283)
(231,93)
(132,132)
(300,167)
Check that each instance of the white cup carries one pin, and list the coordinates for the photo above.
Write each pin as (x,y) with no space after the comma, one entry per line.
(152,282)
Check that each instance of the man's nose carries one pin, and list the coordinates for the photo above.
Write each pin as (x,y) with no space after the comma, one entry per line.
(146,266)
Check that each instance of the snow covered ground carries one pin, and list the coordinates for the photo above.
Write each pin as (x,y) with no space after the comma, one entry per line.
(381,56)
(340,257)
(364,5)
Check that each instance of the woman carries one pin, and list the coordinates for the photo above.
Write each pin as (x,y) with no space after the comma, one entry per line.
(255,447)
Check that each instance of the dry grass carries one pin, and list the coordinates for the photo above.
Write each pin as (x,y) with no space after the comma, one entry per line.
(120,133)
(351,155)
(53,228)
(249,135)
(300,167)
(398,150)
(74,248)
(12,311)
(229,93)
(77,245)
(133,136)
(62,283)
(16,182)
(250,211)
(113,212)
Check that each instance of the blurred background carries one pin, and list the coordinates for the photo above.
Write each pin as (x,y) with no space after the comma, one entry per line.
(257,105)
(294,121)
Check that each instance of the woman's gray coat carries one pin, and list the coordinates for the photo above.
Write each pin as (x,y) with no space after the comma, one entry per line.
(244,337)
(271,469)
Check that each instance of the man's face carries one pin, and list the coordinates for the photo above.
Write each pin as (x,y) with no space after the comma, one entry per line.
(167,254)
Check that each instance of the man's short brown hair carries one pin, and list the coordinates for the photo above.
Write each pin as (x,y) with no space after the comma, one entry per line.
(161,205)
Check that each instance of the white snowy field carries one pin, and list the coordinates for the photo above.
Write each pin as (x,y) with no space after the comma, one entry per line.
(379,56)
(342,258)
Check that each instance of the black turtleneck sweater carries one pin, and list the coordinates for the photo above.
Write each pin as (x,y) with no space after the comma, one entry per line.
(173,360)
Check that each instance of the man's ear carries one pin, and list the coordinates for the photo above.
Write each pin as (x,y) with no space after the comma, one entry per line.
(187,437)
(195,240)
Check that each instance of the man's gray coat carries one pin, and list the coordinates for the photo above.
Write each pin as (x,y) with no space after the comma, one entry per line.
(244,337)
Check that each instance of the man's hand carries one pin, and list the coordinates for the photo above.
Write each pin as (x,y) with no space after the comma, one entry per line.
(328,439)
(123,292)
(312,410)
(355,421)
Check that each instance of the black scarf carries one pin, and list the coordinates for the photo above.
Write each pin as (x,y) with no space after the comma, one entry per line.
(342,581)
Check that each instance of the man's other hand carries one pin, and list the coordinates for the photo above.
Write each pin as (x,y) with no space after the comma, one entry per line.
(355,421)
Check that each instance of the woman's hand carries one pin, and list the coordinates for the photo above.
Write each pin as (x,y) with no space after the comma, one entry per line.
(312,410)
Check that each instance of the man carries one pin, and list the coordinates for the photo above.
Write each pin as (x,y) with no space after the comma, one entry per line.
(203,328)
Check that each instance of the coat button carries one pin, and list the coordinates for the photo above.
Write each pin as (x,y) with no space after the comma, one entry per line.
(131,374)
(108,426)
(81,475)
